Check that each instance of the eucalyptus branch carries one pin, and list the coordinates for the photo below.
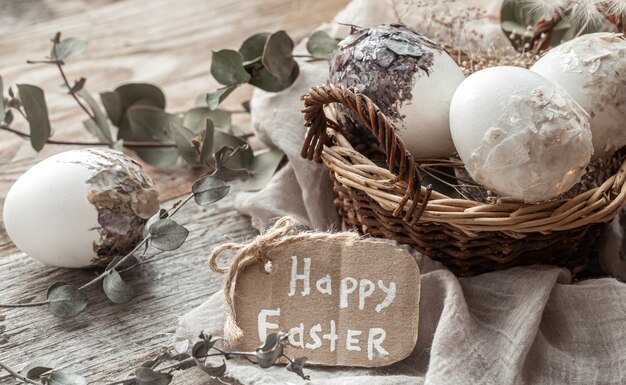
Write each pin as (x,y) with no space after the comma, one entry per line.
(59,65)
(127,144)
(17,376)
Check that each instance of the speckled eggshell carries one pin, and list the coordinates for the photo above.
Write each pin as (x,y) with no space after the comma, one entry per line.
(80,208)
(410,78)
(592,68)
(519,134)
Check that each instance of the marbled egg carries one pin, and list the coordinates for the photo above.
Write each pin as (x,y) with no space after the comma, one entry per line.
(519,134)
(410,77)
(592,69)
(80,208)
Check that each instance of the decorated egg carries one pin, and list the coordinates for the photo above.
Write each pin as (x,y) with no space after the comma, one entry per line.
(592,69)
(519,134)
(410,77)
(80,208)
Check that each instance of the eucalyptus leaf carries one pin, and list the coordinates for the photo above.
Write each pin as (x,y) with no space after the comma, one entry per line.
(112,103)
(152,125)
(124,97)
(195,119)
(199,351)
(252,48)
(62,378)
(278,55)
(215,98)
(167,235)
(207,142)
(2,106)
(67,49)
(100,118)
(159,157)
(66,300)
(297,366)
(208,190)
(263,79)
(243,157)
(271,350)
(184,142)
(33,370)
(321,45)
(116,289)
(34,102)
(147,376)
(227,67)
(162,214)
(8,118)
(263,167)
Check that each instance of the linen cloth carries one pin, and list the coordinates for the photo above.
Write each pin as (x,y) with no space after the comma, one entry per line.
(528,325)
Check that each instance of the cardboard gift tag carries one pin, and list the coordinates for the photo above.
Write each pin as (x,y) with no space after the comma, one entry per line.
(343,300)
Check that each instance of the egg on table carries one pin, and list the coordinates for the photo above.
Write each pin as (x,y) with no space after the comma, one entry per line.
(80,208)
(519,134)
(410,77)
(592,69)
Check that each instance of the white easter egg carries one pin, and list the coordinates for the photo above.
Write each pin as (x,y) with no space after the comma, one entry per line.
(410,77)
(80,208)
(592,69)
(519,134)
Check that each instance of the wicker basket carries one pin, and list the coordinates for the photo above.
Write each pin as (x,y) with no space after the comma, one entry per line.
(468,236)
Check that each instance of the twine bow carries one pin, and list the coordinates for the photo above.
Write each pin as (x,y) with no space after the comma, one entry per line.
(284,231)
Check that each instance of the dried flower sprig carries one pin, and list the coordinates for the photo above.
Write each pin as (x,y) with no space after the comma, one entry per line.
(161,369)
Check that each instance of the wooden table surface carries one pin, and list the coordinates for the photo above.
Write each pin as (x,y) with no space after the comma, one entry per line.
(167,43)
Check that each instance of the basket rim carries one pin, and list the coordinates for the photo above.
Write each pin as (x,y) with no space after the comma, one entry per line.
(392,191)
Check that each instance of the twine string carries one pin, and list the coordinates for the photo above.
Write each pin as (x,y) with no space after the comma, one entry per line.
(284,231)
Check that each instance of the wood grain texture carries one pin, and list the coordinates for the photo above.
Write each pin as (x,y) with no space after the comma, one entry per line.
(164,42)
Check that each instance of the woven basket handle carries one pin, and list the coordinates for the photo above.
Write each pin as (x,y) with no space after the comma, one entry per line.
(399,160)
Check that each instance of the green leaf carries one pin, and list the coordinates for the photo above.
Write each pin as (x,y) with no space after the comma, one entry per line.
(209,190)
(162,214)
(207,142)
(152,125)
(147,376)
(271,350)
(112,106)
(321,45)
(263,167)
(34,103)
(100,118)
(67,49)
(244,155)
(184,142)
(167,235)
(116,289)
(227,67)
(278,56)
(263,79)
(195,119)
(297,366)
(33,370)
(199,351)
(215,98)
(116,103)
(61,378)
(66,300)
(8,118)
(2,106)
(252,47)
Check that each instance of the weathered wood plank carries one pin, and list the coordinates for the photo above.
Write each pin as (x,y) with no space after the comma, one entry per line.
(107,340)
(159,41)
